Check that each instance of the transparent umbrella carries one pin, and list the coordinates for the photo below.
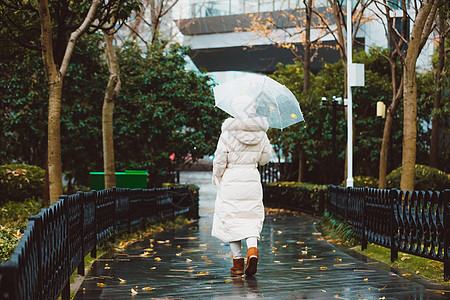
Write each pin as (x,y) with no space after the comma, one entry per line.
(259,96)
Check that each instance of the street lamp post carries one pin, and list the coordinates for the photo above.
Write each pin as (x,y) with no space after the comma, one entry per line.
(335,103)
(349,97)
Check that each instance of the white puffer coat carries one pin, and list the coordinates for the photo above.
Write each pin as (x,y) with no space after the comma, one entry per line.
(239,210)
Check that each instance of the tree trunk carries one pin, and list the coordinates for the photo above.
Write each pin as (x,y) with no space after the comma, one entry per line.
(410,97)
(434,145)
(385,144)
(307,58)
(55,82)
(301,166)
(384,150)
(306,79)
(54,138)
(111,93)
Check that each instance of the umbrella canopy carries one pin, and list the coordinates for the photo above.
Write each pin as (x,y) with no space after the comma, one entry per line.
(259,96)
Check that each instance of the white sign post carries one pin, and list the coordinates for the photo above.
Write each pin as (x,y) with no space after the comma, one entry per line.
(355,77)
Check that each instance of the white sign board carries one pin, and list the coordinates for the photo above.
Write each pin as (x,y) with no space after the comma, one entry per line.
(356,75)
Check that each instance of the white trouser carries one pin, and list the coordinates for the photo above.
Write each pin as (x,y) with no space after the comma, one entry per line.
(236,246)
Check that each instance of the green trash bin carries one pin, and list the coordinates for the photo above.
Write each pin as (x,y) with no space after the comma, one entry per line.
(132,179)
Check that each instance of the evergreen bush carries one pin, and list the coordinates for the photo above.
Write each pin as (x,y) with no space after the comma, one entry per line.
(20,182)
(425,178)
(299,196)
(363,181)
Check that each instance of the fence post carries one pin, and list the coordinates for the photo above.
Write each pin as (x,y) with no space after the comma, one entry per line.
(65,294)
(347,189)
(363,221)
(80,198)
(445,195)
(37,219)
(9,281)
(94,249)
(393,198)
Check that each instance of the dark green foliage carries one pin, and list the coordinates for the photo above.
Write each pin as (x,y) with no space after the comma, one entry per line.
(162,109)
(425,178)
(21,182)
(294,195)
(13,221)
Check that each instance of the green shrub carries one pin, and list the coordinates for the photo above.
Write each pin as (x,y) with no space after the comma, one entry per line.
(8,242)
(295,195)
(20,182)
(13,221)
(338,230)
(363,181)
(425,178)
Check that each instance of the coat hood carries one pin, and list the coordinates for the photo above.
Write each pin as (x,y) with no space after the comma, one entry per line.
(249,131)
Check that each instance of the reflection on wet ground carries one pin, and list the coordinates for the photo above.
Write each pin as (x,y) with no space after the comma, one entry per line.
(296,263)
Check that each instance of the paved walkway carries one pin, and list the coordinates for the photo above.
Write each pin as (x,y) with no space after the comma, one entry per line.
(296,263)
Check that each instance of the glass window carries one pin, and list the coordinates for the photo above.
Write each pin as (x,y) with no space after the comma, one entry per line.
(397,4)
(250,6)
(266,5)
(201,9)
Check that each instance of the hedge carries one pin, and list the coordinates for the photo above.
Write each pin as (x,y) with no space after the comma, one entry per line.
(21,182)
(425,178)
(298,196)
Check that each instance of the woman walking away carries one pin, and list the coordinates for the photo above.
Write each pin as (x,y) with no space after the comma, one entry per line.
(239,210)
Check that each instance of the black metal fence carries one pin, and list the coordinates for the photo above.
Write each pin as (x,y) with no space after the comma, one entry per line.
(56,240)
(414,222)
(275,172)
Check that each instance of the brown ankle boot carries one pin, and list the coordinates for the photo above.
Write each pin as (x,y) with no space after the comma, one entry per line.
(238,267)
(252,261)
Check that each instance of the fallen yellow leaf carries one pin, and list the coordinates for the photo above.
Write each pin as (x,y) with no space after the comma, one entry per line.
(366,279)
(147,288)
(323,268)
(316,233)
(300,260)
(188,260)
(228,280)
(208,261)
(300,242)
(406,274)
(122,280)
(133,291)
(203,256)
(107,268)
(337,260)
(101,284)
(308,277)
(153,268)
(158,258)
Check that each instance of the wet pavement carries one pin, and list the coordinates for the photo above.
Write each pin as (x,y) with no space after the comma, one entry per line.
(296,262)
